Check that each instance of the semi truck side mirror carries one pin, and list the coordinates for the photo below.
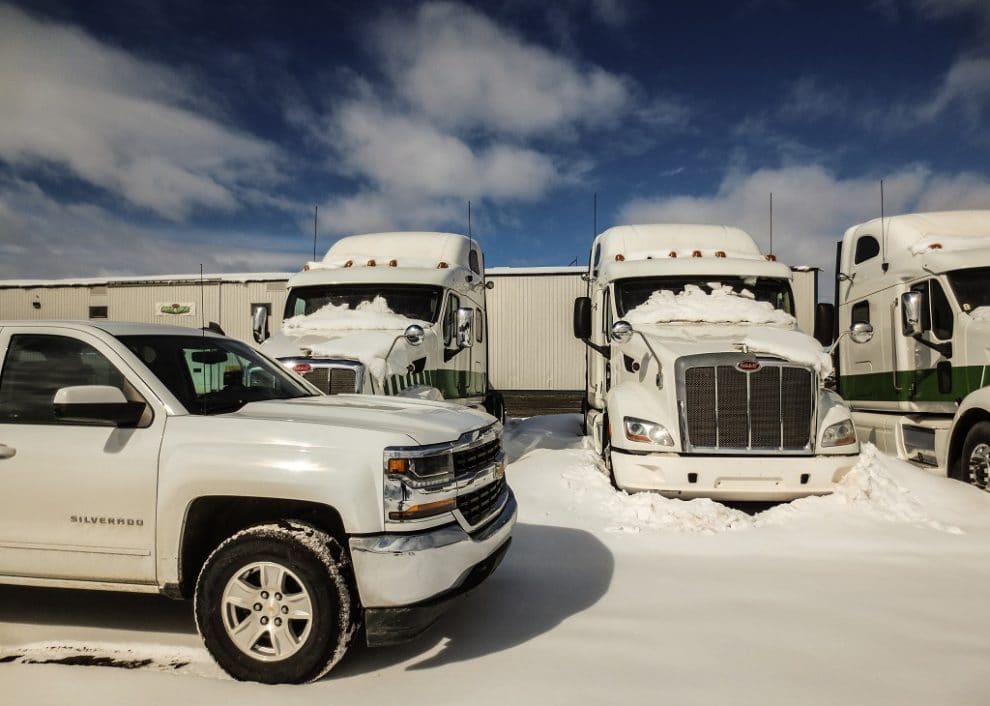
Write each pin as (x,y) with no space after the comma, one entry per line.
(582,318)
(414,334)
(911,303)
(861,332)
(824,323)
(465,327)
(621,331)
(259,324)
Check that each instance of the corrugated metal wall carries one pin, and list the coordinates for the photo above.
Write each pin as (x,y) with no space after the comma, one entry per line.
(532,343)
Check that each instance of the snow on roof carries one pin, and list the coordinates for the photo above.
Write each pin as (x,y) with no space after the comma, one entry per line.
(694,305)
(111,280)
(666,240)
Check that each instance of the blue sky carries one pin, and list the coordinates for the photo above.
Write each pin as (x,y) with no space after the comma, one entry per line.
(147,137)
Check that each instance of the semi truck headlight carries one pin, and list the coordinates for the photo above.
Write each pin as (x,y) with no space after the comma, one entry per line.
(647,432)
(841,434)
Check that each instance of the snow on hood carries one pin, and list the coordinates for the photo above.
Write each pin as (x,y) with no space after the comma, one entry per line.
(693,305)
(981,313)
(795,346)
(365,333)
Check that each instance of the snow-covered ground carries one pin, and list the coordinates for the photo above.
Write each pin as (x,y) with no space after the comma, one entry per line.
(874,595)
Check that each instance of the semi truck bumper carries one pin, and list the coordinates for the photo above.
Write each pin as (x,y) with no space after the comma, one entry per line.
(730,477)
(406,581)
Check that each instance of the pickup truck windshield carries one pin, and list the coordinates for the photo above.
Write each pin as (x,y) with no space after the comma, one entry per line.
(970,287)
(630,293)
(212,375)
(409,300)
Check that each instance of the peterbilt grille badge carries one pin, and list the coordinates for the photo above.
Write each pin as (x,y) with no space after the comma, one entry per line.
(748,366)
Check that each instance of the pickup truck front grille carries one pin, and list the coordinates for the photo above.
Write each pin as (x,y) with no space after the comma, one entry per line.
(333,381)
(476,458)
(727,410)
(478,505)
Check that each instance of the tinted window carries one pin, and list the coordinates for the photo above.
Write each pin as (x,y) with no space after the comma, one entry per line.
(474,261)
(412,301)
(941,312)
(37,366)
(630,293)
(211,375)
(866,247)
(861,312)
(479,325)
(970,287)
(450,319)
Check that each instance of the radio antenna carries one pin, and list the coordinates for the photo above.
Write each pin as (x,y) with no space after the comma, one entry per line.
(469,219)
(594,215)
(883,232)
(771,223)
(316,216)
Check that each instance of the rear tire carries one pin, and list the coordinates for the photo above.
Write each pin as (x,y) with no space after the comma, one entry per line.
(975,461)
(275,604)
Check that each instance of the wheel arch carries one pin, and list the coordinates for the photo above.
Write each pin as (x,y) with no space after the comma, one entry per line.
(960,429)
(210,520)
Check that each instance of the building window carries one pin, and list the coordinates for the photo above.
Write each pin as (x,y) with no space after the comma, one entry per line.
(97,312)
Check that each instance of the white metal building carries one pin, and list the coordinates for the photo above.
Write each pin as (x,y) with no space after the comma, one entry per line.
(532,346)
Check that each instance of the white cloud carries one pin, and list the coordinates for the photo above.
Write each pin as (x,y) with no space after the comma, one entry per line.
(116,121)
(812,207)
(465,72)
(966,87)
(44,238)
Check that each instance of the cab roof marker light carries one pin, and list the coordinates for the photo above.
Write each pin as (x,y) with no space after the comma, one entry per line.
(672,253)
(348,263)
(442,265)
(619,257)
(771,258)
(935,246)
(720,253)
(371,263)
(696,253)
(393,262)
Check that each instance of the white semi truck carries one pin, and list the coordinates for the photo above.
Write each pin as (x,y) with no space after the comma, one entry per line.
(698,381)
(918,386)
(393,314)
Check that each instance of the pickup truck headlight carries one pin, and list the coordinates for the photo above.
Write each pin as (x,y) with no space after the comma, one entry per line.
(841,434)
(419,482)
(647,432)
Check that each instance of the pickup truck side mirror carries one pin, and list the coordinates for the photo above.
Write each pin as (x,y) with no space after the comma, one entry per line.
(825,323)
(465,327)
(259,324)
(582,318)
(911,304)
(97,404)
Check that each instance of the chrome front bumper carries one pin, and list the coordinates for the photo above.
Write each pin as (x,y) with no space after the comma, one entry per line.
(395,570)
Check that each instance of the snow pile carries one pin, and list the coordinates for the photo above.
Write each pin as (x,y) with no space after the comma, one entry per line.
(981,313)
(371,315)
(379,327)
(722,305)
(793,345)
(949,243)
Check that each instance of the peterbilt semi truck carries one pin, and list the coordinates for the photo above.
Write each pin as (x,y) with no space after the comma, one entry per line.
(918,386)
(399,313)
(699,383)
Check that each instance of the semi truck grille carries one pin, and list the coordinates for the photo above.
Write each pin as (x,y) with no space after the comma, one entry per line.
(726,409)
(478,505)
(474,459)
(333,381)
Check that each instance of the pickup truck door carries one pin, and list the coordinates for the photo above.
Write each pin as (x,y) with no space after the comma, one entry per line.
(77,501)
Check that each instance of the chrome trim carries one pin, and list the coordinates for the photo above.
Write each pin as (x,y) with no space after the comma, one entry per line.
(715,360)
(330,363)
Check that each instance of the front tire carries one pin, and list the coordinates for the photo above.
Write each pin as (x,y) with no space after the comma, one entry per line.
(975,460)
(274,603)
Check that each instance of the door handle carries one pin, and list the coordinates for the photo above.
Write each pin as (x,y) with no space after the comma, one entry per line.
(7,451)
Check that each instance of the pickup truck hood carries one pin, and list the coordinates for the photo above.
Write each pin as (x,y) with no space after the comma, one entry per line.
(424,421)
(672,341)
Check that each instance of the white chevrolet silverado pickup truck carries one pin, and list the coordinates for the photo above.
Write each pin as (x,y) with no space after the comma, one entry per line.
(158,459)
